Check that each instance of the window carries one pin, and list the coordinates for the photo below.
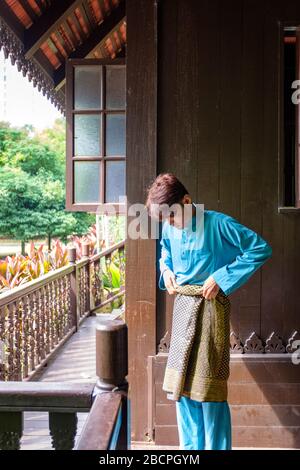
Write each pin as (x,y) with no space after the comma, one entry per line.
(96,134)
(290,125)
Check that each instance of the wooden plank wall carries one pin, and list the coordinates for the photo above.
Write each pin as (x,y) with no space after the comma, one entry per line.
(218,131)
(204,105)
(218,98)
(264,398)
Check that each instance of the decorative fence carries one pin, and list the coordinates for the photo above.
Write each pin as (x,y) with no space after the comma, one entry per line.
(107,424)
(38,317)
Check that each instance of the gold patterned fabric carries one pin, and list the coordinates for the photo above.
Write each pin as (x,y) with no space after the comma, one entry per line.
(198,360)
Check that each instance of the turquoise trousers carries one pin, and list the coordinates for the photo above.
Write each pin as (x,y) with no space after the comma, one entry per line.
(203,425)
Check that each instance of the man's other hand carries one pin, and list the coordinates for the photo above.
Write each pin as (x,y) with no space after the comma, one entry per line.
(210,288)
(170,282)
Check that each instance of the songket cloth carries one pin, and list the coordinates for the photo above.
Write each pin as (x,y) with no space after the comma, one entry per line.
(198,361)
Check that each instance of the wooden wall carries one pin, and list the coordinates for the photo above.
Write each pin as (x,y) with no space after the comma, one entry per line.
(217,129)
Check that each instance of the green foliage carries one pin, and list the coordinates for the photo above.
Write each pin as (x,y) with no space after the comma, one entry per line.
(32,185)
(16,270)
(20,149)
(33,207)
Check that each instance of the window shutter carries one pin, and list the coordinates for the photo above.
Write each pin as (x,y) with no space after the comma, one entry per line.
(96,135)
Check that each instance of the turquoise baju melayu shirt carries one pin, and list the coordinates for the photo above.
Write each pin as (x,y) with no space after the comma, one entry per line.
(214,244)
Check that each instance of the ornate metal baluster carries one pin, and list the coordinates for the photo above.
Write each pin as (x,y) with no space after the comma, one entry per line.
(11,343)
(68,301)
(63,428)
(26,336)
(3,363)
(11,429)
(41,322)
(56,311)
(79,292)
(18,340)
(52,315)
(31,333)
(47,318)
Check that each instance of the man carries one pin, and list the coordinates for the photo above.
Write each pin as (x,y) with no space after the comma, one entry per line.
(204,258)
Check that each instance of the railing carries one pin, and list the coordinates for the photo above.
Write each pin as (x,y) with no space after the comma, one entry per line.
(38,317)
(107,425)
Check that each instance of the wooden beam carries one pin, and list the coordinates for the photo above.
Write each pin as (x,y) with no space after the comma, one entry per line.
(44,63)
(70,33)
(27,8)
(89,14)
(41,5)
(45,395)
(93,41)
(141,167)
(38,33)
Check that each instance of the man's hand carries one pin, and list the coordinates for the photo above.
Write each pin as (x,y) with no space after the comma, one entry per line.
(169,280)
(210,288)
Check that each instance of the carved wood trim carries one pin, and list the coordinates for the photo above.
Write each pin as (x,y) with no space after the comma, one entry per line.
(13,48)
(274,344)
(291,346)
(236,346)
(164,343)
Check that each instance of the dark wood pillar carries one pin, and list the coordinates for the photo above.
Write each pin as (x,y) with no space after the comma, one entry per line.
(141,138)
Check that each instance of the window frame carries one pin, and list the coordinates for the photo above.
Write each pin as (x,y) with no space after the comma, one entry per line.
(98,207)
(282,208)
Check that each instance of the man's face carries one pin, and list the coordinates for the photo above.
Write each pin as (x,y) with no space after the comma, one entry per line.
(179,214)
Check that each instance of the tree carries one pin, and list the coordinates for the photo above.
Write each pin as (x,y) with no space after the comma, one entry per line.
(33,207)
(23,149)
(32,186)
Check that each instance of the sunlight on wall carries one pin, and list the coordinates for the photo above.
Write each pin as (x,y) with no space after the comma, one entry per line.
(20,103)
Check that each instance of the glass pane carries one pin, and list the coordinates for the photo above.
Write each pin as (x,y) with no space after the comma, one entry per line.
(115,87)
(87,135)
(115,134)
(86,181)
(87,87)
(115,181)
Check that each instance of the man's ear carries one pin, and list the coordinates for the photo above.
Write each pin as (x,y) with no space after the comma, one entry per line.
(186,199)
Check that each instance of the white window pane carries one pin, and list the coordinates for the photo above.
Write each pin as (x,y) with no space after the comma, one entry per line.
(115,181)
(87,87)
(86,181)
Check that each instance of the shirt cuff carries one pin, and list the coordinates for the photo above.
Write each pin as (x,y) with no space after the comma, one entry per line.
(221,278)
(161,282)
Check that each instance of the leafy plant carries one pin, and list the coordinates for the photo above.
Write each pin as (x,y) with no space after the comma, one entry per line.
(18,269)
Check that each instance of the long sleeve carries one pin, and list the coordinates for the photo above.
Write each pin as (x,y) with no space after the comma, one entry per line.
(254,252)
(165,261)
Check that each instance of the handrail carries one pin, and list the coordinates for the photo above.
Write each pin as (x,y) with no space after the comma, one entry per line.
(45,396)
(101,422)
(108,251)
(41,314)
(30,286)
(106,427)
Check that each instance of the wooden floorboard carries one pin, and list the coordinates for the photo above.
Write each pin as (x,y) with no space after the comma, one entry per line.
(74,362)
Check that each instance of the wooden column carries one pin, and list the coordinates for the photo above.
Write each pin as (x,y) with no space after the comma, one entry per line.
(141,141)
